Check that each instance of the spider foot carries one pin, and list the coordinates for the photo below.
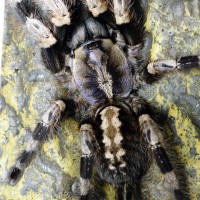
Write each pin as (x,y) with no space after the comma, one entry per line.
(14,174)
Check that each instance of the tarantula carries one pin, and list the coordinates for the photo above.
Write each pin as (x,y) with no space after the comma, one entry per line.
(97,50)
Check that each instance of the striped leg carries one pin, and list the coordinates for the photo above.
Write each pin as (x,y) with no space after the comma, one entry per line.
(41,132)
(161,67)
(96,7)
(129,17)
(44,18)
(49,26)
(86,163)
(36,23)
(150,130)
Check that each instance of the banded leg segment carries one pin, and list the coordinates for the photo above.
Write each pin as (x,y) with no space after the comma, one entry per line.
(43,23)
(61,11)
(40,134)
(96,7)
(86,163)
(129,17)
(36,22)
(40,29)
(161,67)
(151,131)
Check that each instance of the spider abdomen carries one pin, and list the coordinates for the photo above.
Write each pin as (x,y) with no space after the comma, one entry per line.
(121,154)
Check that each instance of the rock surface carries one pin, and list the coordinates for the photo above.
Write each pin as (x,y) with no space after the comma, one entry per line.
(27,89)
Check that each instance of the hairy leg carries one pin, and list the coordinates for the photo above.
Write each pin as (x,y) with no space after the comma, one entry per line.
(129,18)
(162,67)
(151,132)
(49,120)
(96,7)
(86,163)
(50,27)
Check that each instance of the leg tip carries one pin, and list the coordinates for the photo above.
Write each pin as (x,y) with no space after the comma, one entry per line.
(14,175)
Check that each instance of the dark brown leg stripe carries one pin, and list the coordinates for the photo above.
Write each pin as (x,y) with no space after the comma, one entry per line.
(26,157)
(188,62)
(86,167)
(85,197)
(180,195)
(15,174)
(188,65)
(187,59)
(51,59)
(162,160)
(40,133)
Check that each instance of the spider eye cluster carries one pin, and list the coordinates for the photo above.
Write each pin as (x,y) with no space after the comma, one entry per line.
(92,45)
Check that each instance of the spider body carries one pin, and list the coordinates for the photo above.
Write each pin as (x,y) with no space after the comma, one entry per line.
(98,55)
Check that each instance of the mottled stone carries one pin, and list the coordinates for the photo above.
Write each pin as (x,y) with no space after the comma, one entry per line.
(14,121)
(2,103)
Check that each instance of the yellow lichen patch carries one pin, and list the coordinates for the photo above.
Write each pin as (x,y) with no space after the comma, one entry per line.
(110,192)
(71,133)
(159,98)
(10,99)
(188,135)
(152,28)
(10,194)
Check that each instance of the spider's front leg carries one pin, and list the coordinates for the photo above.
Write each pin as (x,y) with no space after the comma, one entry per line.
(96,7)
(49,120)
(129,18)
(161,67)
(151,131)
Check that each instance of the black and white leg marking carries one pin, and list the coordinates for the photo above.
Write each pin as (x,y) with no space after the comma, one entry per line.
(151,131)
(36,22)
(129,17)
(41,132)
(86,164)
(47,34)
(160,67)
(96,7)
(60,10)
(52,60)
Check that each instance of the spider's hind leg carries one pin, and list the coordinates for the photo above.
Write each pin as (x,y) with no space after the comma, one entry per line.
(151,132)
(86,164)
(96,7)
(49,120)
(86,187)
